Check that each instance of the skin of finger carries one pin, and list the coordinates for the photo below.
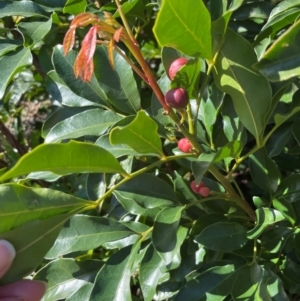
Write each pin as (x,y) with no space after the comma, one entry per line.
(7,255)
(27,289)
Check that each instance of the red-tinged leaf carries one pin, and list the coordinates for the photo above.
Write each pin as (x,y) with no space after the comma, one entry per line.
(110,48)
(117,34)
(83,20)
(69,40)
(79,64)
(88,45)
(83,70)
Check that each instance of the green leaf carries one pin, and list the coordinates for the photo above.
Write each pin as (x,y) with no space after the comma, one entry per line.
(7,45)
(214,284)
(152,269)
(230,150)
(201,166)
(81,294)
(265,218)
(74,7)
(32,247)
(71,157)
(251,284)
(65,276)
(232,126)
(276,288)
(34,31)
(164,236)
(280,62)
(119,84)
(113,280)
(286,208)
(223,236)
(141,135)
(21,8)
(289,189)
(145,195)
(91,122)
(20,204)
(250,91)
(12,63)
(185,27)
(63,66)
(274,239)
(82,233)
(61,92)
(264,171)
(118,150)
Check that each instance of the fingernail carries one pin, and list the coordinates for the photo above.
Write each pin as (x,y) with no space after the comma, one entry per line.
(7,255)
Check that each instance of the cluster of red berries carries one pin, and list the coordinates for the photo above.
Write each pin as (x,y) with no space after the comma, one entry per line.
(200,189)
(177,98)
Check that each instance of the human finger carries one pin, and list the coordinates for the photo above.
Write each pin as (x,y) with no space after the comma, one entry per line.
(7,255)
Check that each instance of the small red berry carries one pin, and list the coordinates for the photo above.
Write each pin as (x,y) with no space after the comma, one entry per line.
(195,187)
(175,66)
(177,98)
(204,191)
(185,145)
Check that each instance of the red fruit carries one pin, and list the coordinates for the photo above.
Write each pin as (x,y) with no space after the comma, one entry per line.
(175,66)
(177,98)
(195,187)
(204,191)
(185,145)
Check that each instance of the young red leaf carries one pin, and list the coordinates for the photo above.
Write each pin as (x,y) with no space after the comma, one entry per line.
(88,45)
(84,19)
(117,34)
(69,40)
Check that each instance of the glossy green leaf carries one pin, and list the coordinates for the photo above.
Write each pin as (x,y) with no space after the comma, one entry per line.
(7,45)
(232,126)
(141,135)
(34,31)
(223,236)
(71,157)
(230,150)
(91,122)
(61,92)
(181,27)
(274,239)
(119,84)
(166,223)
(113,280)
(264,171)
(278,21)
(265,217)
(65,276)
(251,285)
(280,62)
(118,150)
(201,166)
(151,270)
(145,195)
(63,66)
(75,7)
(250,91)
(289,189)
(286,208)
(214,284)
(172,258)
(21,8)
(20,204)
(82,233)
(32,247)
(276,288)
(13,63)
(82,294)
